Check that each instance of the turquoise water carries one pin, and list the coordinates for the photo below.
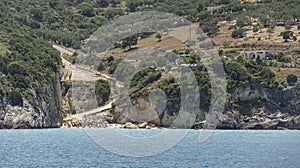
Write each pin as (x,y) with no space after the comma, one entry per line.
(74,148)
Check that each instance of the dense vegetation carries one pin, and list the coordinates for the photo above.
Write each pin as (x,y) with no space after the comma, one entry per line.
(268,13)
(64,22)
(27,61)
(70,22)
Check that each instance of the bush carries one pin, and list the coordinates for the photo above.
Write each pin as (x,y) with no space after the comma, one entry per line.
(255,29)
(102,90)
(16,67)
(113,66)
(211,29)
(207,45)
(15,98)
(101,66)
(86,9)
(292,79)
(158,36)
(102,3)
(267,74)
(240,33)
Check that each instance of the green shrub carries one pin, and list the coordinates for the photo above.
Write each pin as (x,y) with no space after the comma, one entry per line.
(240,33)
(15,98)
(102,90)
(292,79)
(16,67)
(114,65)
(255,29)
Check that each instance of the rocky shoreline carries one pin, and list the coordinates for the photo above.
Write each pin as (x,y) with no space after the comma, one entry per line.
(277,121)
(127,125)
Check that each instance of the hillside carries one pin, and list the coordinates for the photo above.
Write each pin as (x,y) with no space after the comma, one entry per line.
(260,91)
(29,78)
(259,95)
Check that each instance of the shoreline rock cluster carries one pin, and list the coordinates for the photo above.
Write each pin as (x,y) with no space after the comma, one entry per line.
(127,125)
(275,121)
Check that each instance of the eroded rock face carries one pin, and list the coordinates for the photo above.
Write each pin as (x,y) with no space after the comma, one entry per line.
(255,107)
(41,110)
(274,121)
(285,101)
(229,121)
(264,108)
(21,117)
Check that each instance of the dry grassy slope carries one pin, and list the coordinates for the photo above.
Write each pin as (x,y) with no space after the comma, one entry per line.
(268,40)
(282,73)
(167,42)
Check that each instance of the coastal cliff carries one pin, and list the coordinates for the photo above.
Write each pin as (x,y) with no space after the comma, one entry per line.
(40,109)
(257,107)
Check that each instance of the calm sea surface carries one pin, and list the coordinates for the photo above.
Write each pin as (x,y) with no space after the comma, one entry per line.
(74,148)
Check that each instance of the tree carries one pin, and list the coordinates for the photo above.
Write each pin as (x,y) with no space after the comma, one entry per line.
(102,90)
(287,35)
(158,36)
(267,75)
(86,9)
(15,98)
(102,3)
(236,72)
(110,59)
(292,79)
(101,66)
(294,38)
(242,22)
(240,33)
(129,42)
(37,14)
(260,26)
(255,29)
(132,6)
(200,7)
(53,3)
(211,29)
(16,67)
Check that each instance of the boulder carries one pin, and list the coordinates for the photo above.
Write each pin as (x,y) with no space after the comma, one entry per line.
(228,121)
(130,125)
(227,124)
(258,127)
(143,125)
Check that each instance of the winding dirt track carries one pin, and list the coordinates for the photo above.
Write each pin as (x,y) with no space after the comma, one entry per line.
(82,74)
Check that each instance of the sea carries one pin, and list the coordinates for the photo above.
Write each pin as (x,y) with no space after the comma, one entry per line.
(81,148)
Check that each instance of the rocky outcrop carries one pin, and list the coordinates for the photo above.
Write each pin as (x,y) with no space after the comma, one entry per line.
(67,100)
(263,108)
(272,121)
(284,100)
(40,109)
(255,107)
(230,120)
